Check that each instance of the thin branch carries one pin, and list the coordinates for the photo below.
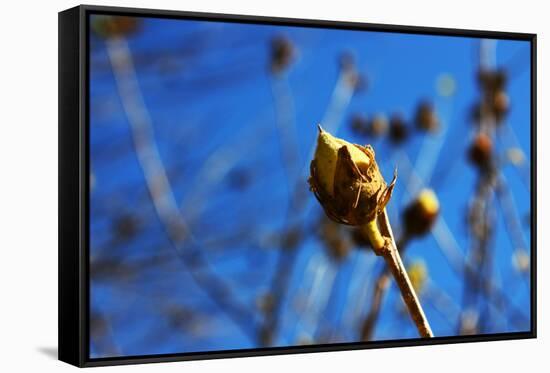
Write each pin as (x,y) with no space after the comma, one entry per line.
(160,189)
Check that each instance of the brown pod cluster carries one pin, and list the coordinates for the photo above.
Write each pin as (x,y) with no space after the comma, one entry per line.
(282,53)
(480,151)
(114,26)
(495,102)
(375,127)
(399,132)
(421,214)
(426,118)
(346,180)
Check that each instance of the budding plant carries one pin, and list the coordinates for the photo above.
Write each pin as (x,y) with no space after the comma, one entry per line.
(347,182)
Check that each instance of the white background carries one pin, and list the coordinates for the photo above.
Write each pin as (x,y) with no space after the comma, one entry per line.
(28,194)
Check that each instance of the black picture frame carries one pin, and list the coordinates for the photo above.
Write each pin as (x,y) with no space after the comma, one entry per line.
(74,185)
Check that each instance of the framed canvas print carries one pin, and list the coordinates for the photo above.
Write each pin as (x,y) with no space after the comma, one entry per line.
(238,186)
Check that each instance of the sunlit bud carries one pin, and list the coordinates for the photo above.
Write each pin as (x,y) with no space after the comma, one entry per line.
(421,214)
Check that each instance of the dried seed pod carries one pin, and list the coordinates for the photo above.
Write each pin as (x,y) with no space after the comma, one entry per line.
(282,53)
(421,214)
(426,118)
(346,180)
(398,129)
(378,126)
(480,152)
(114,26)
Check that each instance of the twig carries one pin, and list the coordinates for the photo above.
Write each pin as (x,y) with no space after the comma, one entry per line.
(160,189)
(393,260)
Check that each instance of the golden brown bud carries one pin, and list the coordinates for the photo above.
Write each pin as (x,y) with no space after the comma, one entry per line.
(346,180)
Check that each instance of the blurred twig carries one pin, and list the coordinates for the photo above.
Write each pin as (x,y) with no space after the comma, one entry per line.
(160,189)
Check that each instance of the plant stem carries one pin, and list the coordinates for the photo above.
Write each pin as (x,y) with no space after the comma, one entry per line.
(394,263)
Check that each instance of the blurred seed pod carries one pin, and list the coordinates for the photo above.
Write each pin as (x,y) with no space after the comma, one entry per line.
(126,226)
(265,303)
(360,125)
(480,151)
(336,242)
(399,132)
(480,227)
(501,105)
(353,78)
(492,80)
(468,323)
(346,61)
(426,118)
(282,54)
(378,126)
(418,274)
(114,26)
(291,238)
(446,85)
(521,260)
(304,340)
(421,213)
(515,156)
